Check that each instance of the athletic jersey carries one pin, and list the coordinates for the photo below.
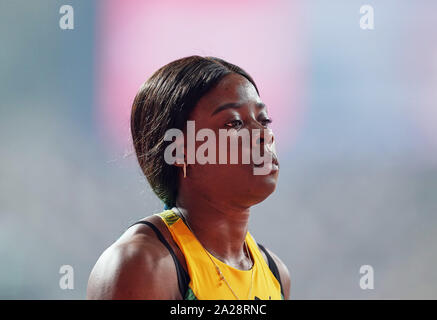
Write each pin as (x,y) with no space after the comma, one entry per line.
(203,282)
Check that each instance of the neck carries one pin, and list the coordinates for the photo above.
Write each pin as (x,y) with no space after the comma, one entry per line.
(221,228)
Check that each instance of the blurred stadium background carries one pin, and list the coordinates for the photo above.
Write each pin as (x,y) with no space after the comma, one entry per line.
(354,111)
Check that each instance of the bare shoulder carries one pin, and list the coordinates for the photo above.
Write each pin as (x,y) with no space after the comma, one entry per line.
(136,266)
(283,273)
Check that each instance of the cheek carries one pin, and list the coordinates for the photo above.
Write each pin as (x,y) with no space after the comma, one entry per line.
(233,158)
(236,150)
(218,172)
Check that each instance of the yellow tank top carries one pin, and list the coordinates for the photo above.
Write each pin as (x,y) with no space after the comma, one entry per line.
(205,282)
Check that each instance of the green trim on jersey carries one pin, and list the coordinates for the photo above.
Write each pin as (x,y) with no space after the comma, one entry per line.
(190,295)
(169,216)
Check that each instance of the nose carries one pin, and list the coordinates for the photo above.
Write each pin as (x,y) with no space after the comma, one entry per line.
(262,141)
(263,135)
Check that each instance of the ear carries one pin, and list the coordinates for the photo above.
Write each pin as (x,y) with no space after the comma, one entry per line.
(181,151)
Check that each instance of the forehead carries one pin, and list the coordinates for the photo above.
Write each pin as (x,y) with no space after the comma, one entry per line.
(232,88)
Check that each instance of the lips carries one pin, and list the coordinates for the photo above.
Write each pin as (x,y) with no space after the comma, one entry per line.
(274,161)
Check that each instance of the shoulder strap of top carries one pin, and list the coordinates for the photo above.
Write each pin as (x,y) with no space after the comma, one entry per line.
(183,277)
(272,265)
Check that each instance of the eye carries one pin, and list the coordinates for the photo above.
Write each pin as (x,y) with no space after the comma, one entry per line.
(266,122)
(236,124)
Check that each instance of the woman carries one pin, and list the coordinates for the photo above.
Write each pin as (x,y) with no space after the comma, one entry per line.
(199,247)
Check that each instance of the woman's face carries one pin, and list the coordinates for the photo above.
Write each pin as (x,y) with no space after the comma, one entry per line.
(243,183)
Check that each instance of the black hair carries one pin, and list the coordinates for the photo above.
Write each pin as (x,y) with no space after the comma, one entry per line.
(165,101)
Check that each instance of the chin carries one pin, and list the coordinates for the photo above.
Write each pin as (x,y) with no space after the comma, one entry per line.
(263,186)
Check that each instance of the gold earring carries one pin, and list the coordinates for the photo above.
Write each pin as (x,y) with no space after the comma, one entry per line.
(185,170)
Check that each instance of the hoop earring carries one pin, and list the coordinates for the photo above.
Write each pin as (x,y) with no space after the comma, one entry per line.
(185,170)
